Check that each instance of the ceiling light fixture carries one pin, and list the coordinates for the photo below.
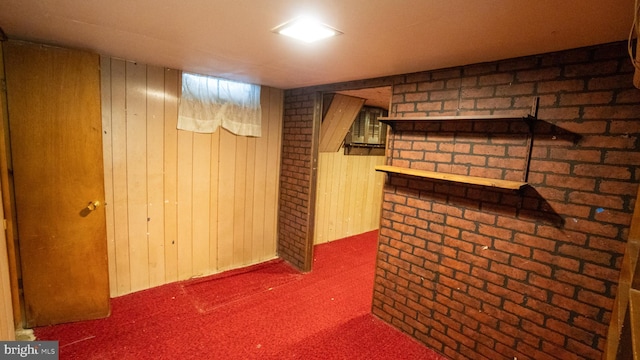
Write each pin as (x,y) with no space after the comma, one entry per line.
(306,29)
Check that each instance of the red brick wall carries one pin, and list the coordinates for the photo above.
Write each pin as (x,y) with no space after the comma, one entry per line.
(480,273)
(294,202)
(491,274)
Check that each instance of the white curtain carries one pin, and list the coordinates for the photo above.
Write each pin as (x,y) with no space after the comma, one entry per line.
(207,103)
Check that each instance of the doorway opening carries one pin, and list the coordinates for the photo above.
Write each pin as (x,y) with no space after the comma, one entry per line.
(348,190)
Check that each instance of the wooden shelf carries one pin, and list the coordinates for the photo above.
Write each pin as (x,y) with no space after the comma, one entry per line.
(392,120)
(474,180)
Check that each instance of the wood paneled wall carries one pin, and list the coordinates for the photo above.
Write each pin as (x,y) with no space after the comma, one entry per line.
(182,204)
(8,314)
(349,195)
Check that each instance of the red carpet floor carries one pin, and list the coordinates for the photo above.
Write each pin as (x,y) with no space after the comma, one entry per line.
(269,311)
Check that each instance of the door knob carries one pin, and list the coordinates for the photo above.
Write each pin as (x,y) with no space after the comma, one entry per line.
(93,205)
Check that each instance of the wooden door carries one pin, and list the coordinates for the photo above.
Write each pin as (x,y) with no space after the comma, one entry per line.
(55,132)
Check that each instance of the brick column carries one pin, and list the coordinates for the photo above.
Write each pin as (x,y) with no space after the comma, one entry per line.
(302,118)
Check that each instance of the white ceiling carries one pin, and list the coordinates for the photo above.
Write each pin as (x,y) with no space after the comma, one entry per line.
(233,38)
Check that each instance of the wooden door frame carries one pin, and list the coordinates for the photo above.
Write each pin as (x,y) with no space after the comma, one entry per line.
(619,337)
(313,182)
(8,200)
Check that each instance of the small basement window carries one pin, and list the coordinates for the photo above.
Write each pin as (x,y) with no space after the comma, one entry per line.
(367,135)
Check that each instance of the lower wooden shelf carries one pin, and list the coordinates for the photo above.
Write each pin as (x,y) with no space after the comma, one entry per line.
(474,180)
